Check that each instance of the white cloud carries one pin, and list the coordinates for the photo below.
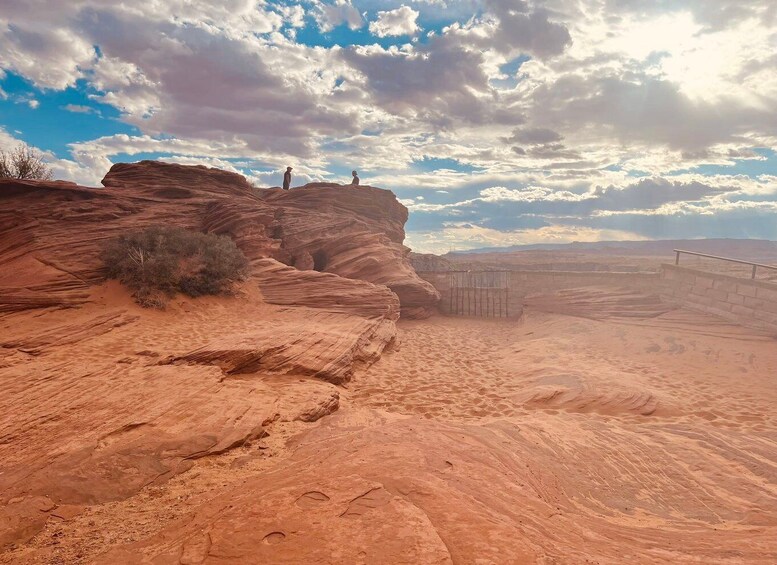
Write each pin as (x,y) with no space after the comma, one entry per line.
(79,109)
(7,141)
(50,57)
(293,15)
(329,16)
(535,103)
(402,21)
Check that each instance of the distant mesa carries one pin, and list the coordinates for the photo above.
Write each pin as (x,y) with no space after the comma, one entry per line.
(743,248)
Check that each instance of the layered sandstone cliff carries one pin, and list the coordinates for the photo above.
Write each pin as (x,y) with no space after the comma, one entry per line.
(50,232)
(102,398)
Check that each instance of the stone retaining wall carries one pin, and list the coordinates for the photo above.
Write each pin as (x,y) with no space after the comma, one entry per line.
(522,283)
(750,303)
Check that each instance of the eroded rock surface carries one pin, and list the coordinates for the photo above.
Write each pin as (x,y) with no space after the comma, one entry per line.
(641,438)
(100,398)
(101,401)
(51,232)
(629,436)
(413,491)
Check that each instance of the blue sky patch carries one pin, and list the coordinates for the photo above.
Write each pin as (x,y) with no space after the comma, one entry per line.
(430,164)
(50,119)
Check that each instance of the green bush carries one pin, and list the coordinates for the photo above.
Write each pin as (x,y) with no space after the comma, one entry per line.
(158,262)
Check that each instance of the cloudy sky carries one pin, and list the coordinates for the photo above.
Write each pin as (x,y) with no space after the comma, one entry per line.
(496,122)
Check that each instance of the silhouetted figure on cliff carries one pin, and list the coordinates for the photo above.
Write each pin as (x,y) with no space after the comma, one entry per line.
(287,178)
(355,181)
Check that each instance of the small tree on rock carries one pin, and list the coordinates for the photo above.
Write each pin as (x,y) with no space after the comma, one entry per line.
(24,163)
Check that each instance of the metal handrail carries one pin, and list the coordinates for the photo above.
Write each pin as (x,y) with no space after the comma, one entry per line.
(730,260)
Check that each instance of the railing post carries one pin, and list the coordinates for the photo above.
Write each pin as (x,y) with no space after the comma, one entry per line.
(737,261)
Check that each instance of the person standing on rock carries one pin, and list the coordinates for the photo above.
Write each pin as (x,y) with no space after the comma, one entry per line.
(355,181)
(287,178)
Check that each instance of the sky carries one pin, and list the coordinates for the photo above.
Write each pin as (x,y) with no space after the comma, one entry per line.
(496,122)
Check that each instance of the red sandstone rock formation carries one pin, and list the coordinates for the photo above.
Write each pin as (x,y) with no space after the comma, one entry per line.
(109,398)
(353,232)
(103,400)
(50,232)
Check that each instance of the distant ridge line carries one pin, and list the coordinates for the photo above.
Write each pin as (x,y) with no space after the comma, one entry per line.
(658,246)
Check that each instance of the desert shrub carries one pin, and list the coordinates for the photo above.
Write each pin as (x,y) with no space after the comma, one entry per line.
(23,163)
(157,262)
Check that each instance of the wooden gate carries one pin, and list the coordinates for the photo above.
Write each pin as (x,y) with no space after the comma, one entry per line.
(479,293)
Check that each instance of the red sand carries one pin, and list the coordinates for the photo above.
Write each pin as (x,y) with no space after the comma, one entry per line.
(553,439)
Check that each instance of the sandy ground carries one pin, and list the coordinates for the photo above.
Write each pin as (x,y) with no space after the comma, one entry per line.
(679,365)
(550,439)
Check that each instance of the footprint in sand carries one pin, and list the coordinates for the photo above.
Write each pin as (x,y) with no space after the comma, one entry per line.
(273,538)
(371,499)
(312,499)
